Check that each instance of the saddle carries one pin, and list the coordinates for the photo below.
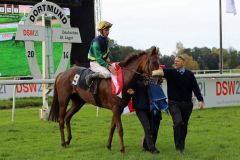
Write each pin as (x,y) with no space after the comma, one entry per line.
(79,80)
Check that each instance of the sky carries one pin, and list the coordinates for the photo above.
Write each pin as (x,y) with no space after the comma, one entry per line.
(162,23)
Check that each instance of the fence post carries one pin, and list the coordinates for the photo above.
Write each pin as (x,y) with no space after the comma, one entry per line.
(14,103)
(14,100)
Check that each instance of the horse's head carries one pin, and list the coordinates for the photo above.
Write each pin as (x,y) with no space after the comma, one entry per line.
(150,62)
(141,64)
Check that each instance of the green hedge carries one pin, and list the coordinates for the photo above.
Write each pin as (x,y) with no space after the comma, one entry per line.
(24,102)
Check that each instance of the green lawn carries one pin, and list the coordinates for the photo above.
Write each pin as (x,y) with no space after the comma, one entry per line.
(233,71)
(213,135)
(14,61)
(2,30)
(23,102)
(9,20)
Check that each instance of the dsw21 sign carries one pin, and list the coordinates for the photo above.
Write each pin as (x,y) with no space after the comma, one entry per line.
(227,88)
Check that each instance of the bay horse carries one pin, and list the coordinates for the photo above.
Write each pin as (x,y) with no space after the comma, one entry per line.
(143,64)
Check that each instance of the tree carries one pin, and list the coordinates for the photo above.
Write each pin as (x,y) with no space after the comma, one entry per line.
(119,53)
(196,58)
(190,63)
(233,60)
(168,61)
(179,48)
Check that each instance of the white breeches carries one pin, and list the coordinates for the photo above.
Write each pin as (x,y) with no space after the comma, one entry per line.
(96,67)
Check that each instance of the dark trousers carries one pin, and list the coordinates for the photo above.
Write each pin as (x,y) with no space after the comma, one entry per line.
(180,112)
(144,117)
(156,117)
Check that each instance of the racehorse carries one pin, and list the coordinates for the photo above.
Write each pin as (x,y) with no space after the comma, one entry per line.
(140,64)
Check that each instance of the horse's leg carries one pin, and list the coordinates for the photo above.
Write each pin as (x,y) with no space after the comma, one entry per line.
(77,103)
(62,112)
(118,122)
(112,129)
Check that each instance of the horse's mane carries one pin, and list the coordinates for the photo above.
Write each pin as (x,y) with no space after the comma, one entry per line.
(130,58)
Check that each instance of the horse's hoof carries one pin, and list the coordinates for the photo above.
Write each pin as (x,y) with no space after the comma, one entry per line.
(122,151)
(67,143)
(109,147)
(69,140)
(64,145)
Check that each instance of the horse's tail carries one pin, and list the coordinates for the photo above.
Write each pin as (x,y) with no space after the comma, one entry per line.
(54,112)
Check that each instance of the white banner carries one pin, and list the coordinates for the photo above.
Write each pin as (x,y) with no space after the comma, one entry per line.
(22,90)
(69,35)
(220,92)
(217,92)
(6,36)
(9,10)
(2,10)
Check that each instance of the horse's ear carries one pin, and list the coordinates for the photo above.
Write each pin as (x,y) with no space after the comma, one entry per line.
(158,52)
(154,51)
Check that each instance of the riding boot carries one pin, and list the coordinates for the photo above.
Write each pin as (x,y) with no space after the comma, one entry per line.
(89,78)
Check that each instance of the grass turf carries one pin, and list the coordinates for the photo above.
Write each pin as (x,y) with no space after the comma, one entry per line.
(213,135)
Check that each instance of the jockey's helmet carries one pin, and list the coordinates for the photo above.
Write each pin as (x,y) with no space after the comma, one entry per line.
(103,24)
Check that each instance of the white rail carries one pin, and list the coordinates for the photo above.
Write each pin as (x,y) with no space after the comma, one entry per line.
(32,81)
(216,71)
(216,75)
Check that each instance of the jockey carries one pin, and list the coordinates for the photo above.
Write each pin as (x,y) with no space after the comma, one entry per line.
(98,54)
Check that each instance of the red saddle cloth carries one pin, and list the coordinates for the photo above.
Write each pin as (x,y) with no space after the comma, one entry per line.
(117,81)
(117,85)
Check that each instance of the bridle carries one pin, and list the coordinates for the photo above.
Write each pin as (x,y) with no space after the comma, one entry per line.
(147,75)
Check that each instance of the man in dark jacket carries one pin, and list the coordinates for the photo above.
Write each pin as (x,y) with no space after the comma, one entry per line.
(180,85)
